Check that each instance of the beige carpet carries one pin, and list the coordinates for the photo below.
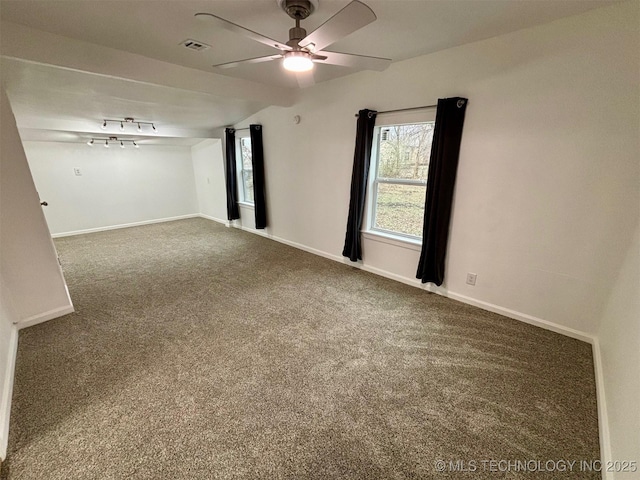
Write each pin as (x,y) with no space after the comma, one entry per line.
(202,352)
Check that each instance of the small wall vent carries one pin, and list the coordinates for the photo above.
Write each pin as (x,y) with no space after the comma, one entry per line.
(195,45)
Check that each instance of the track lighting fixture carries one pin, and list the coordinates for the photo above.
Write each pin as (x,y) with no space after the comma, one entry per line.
(128,120)
(107,141)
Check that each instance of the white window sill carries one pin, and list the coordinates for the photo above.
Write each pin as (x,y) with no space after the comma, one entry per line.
(394,240)
(246,205)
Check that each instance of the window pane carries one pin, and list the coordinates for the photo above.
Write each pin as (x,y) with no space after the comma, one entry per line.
(245,151)
(404,151)
(247,185)
(246,170)
(400,208)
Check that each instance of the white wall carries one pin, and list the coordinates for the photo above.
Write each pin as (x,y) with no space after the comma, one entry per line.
(209,171)
(117,186)
(208,168)
(548,158)
(28,261)
(32,287)
(8,348)
(620,349)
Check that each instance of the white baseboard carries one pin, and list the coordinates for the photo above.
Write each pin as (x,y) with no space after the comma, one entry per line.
(523,317)
(603,417)
(226,223)
(43,317)
(7,391)
(124,225)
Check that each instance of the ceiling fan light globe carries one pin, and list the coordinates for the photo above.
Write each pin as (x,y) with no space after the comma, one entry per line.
(297,62)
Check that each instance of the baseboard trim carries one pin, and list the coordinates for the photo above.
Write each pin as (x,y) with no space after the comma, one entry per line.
(265,233)
(124,225)
(603,417)
(45,316)
(523,317)
(226,223)
(7,392)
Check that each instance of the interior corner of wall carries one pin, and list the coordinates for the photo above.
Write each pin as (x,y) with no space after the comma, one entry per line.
(603,417)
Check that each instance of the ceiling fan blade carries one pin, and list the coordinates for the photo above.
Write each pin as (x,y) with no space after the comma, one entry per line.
(247,61)
(355,61)
(226,24)
(351,18)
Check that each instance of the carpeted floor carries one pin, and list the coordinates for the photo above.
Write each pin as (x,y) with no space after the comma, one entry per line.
(202,352)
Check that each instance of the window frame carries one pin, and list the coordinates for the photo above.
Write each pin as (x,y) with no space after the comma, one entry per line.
(426,115)
(241,170)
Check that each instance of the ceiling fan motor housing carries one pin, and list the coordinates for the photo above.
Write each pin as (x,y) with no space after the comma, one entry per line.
(298,9)
(295,35)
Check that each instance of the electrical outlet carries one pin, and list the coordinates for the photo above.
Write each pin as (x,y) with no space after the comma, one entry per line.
(471,278)
(77,172)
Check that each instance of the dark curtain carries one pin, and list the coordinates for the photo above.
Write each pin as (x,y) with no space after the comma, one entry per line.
(361,160)
(230,174)
(257,160)
(441,179)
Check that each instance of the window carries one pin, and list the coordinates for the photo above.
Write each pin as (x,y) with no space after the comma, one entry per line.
(245,169)
(399,168)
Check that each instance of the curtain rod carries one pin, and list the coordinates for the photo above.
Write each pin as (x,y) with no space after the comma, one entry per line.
(405,109)
(239,129)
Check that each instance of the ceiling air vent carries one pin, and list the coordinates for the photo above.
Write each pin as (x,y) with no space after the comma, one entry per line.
(195,45)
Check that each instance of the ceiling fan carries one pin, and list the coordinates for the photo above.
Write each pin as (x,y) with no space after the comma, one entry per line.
(301,51)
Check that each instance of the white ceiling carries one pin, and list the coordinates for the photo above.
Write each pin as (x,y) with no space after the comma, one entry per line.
(56,104)
(49,91)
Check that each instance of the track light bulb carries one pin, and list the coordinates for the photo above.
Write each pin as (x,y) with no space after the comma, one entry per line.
(121,144)
(139,128)
(104,125)
(136,145)
(121,127)
(90,143)
(106,144)
(154,128)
